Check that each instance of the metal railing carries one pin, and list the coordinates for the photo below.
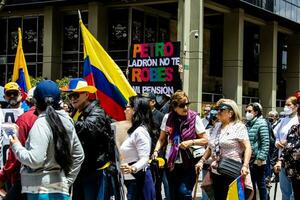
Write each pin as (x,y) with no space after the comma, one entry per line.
(214,97)
(211,97)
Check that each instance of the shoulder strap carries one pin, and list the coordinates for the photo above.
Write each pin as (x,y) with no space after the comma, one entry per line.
(217,142)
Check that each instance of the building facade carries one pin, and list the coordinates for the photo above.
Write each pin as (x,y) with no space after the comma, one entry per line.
(247,50)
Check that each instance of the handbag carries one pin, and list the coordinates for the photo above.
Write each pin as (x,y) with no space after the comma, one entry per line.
(196,151)
(229,167)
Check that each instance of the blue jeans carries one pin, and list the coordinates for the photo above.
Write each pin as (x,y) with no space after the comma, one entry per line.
(50,196)
(166,185)
(258,177)
(107,186)
(285,186)
(181,182)
(86,186)
(132,191)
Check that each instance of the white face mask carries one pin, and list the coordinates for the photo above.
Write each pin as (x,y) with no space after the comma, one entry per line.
(287,110)
(249,116)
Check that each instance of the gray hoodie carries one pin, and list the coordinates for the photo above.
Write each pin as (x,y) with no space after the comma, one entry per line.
(40,173)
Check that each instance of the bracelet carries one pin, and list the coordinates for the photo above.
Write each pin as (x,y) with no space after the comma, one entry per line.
(245,166)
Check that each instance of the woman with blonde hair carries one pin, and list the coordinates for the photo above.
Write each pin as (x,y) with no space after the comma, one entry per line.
(228,140)
(180,129)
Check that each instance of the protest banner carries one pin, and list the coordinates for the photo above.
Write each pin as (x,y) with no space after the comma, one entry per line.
(153,67)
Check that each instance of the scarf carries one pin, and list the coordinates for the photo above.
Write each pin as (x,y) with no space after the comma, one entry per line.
(179,129)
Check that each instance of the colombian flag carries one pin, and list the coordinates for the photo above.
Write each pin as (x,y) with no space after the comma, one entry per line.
(20,73)
(113,89)
(237,189)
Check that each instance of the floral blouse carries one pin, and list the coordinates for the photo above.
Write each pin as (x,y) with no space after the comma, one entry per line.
(291,153)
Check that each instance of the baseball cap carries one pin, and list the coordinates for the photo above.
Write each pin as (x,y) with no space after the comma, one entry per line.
(46,88)
(11,86)
(79,85)
(149,95)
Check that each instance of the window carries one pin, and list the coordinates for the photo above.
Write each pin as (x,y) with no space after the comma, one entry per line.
(32,33)
(118,36)
(72,54)
(145,28)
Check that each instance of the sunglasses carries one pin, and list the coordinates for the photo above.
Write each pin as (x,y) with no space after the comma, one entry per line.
(10,93)
(222,109)
(74,95)
(183,105)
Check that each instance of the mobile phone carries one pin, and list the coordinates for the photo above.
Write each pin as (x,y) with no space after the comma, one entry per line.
(9,129)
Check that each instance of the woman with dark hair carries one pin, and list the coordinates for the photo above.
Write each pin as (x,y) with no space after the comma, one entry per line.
(52,154)
(280,132)
(135,151)
(258,132)
(290,157)
(180,129)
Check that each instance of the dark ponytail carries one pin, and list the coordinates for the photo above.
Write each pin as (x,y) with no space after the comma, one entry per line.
(61,140)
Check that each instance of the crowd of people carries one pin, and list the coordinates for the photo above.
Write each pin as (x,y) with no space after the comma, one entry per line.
(74,150)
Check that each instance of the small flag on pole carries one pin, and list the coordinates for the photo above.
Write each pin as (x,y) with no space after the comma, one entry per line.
(20,73)
(237,189)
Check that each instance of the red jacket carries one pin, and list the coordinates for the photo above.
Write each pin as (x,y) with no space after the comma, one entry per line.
(10,172)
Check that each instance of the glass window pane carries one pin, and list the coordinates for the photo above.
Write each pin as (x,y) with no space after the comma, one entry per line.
(39,70)
(41,34)
(2,74)
(13,25)
(3,32)
(71,33)
(31,69)
(30,35)
(70,69)
(151,29)
(164,30)
(118,29)
(137,26)
(10,68)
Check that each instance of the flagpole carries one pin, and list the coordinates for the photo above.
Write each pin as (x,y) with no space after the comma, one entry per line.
(79,14)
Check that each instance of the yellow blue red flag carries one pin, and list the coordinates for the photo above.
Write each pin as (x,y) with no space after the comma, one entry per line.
(99,69)
(237,189)
(20,73)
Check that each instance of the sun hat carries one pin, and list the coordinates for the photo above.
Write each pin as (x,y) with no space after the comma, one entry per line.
(11,86)
(44,89)
(79,85)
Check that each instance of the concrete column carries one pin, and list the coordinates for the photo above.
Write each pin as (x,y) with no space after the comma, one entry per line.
(97,22)
(293,65)
(268,66)
(186,42)
(196,55)
(233,55)
(52,43)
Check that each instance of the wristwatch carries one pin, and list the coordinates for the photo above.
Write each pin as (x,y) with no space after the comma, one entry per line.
(133,169)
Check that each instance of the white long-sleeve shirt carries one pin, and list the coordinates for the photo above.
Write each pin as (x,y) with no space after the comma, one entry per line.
(136,148)
(282,129)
